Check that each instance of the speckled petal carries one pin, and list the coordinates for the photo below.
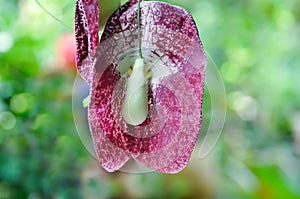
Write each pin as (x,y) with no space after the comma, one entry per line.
(178,149)
(86,35)
(180,163)
(113,25)
(109,156)
(165,140)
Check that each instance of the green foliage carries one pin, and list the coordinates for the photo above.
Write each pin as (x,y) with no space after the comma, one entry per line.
(108,7)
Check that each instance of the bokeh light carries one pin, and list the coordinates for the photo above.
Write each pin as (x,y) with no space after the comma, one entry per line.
(7,120)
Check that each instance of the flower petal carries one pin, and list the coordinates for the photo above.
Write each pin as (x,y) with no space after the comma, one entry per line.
(180,163)
(109,156)
(113,25)
(165,140)
(184,139)
(86,35)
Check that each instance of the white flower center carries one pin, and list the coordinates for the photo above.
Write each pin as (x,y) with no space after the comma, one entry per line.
(135,104)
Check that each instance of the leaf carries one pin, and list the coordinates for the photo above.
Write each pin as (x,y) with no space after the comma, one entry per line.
(107,8)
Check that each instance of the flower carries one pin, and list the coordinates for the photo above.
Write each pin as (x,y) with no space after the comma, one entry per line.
(86,35)
(149,108)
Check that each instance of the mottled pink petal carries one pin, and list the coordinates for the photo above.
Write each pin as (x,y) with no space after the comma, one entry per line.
(86,35)
(109,156)
(113,25)
(186,135)
(165,140)
(182,161)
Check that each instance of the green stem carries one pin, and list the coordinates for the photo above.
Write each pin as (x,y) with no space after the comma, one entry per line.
(139,29)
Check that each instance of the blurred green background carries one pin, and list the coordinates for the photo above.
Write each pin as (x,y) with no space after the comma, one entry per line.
(255,45)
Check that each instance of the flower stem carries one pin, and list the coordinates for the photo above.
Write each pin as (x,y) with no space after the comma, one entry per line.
(139,29)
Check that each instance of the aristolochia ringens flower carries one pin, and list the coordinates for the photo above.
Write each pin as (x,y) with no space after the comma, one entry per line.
(143,107)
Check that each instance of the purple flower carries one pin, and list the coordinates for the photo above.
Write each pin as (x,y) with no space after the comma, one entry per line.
(149,109)
(86,34)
